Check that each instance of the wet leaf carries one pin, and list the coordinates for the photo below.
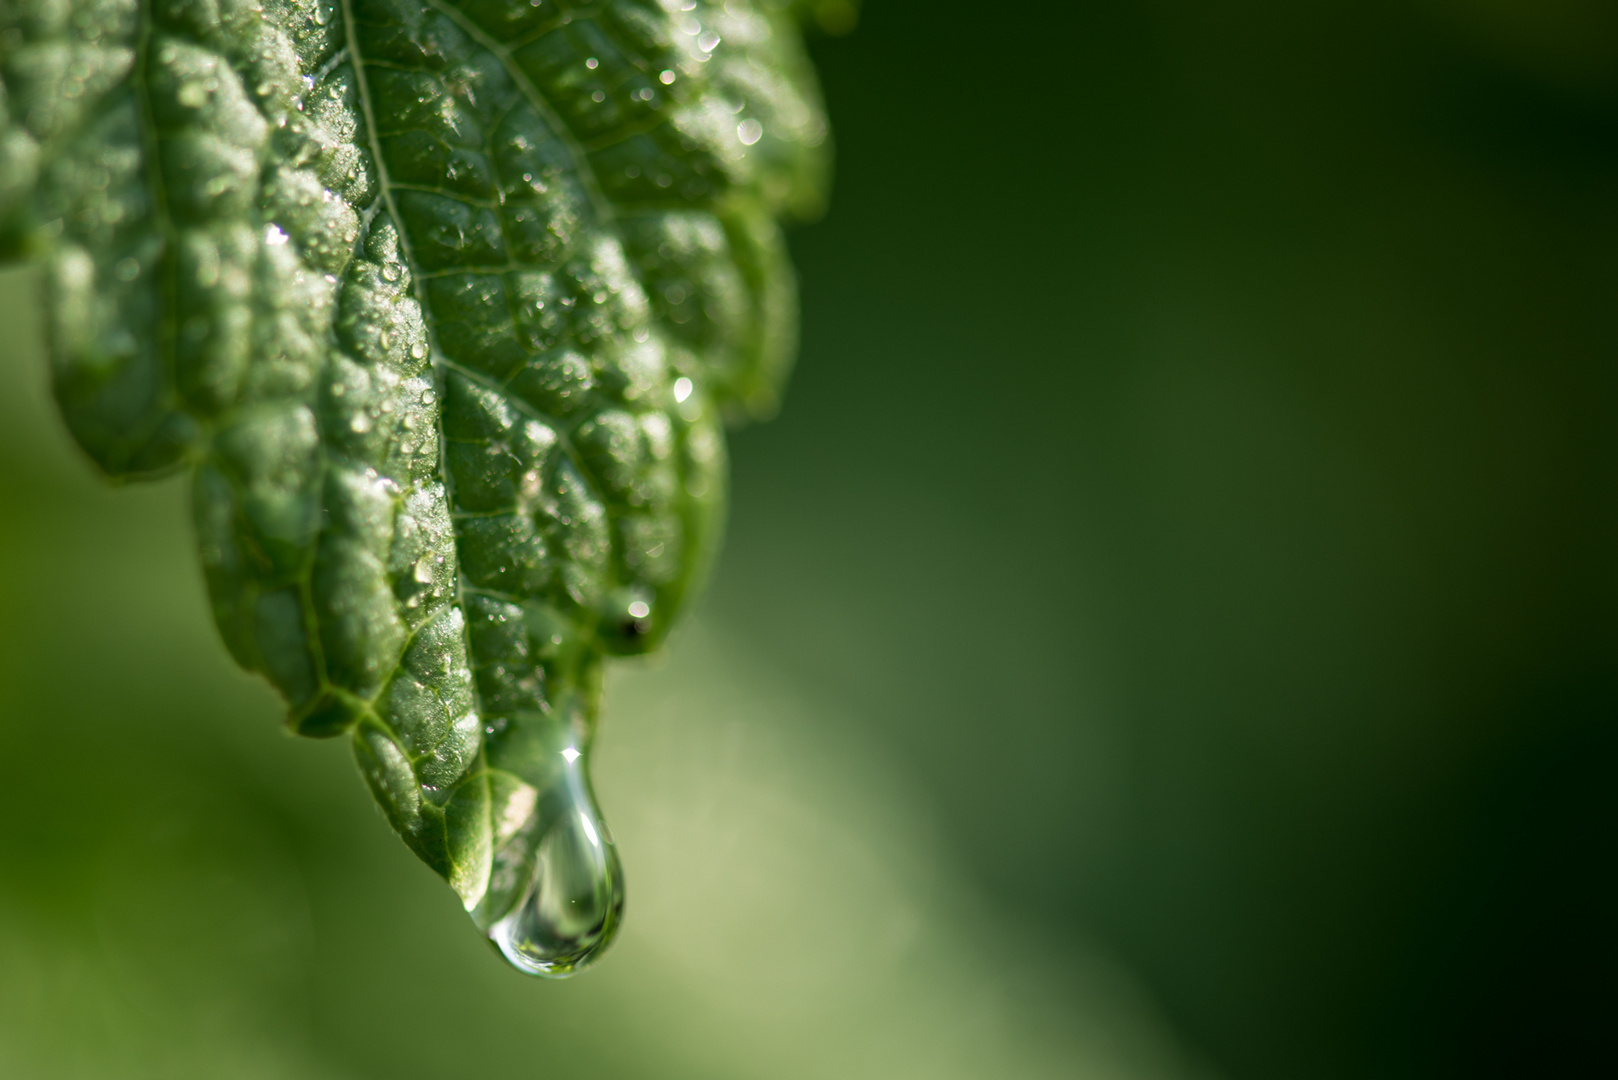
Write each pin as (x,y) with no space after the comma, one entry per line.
(442,305)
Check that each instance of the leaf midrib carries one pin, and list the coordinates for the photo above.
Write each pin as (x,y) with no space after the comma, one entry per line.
(440,362)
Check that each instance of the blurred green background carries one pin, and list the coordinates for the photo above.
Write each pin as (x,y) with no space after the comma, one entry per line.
(1168,633)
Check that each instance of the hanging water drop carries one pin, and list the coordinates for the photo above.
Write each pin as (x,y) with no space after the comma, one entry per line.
(556,893)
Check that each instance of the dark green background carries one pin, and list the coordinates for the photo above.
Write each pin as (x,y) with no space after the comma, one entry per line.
(1169,630)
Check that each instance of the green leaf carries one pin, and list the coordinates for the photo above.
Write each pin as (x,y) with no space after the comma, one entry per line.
(441,303)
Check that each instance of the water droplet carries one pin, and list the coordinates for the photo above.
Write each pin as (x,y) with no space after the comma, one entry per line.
(192,94)
(424,570)
(418,351)
(428,397)
(749,132)
(592,63)
(360,423)
(384,340)
(273,236)
(598,97)
(682,388)
(390,272)
(564,883)
(708,42)
(667,78)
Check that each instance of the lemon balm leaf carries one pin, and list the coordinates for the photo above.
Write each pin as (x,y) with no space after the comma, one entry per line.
(442,306)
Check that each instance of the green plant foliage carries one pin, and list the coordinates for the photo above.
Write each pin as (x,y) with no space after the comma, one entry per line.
(442,304)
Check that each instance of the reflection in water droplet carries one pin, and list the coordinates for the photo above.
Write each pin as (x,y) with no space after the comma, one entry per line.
(557,888)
